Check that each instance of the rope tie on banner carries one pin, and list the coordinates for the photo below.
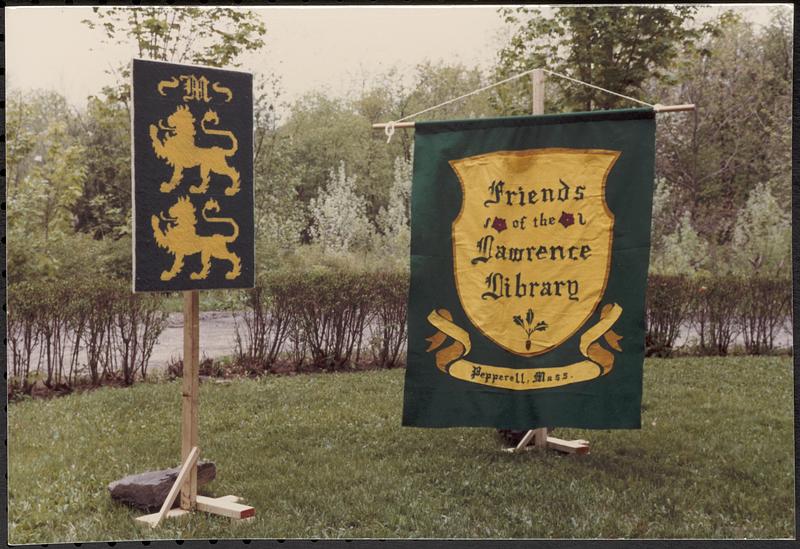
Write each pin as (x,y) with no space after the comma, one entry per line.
(390,126)
(389,131)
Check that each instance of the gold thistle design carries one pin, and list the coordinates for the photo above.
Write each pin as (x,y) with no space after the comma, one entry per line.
(178,148)
(453,360)
(528,326)
(181,239)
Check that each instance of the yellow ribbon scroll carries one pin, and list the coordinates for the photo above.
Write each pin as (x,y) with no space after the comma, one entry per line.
(599,361)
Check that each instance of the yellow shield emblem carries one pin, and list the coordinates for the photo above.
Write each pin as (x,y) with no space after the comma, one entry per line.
(532,243)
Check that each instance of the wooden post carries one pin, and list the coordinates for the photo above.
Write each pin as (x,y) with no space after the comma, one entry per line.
(228,506)
(537,93)
(191,360)
(539,436)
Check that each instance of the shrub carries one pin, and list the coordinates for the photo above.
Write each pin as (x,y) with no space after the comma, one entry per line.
(23,333)
(59,317)
(327,317)
(717,306)
(332,308)
(266,322)
(668,307)
(388,329)
(682,252)
(99,332)
(393,238)
(339,216)
(59,330)
(762,242)
(138,321)
(765,306)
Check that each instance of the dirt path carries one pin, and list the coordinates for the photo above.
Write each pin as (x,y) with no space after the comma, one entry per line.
(217,338)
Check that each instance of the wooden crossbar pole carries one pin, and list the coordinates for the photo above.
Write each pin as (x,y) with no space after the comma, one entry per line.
(189,401)
(674,108)
(578,446)
(656,108)
(525,440)
(225,506)
(383,125)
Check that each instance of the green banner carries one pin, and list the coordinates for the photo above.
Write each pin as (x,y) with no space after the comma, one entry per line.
(530,242)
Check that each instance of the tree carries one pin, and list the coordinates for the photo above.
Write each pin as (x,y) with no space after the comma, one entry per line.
(682,252)
(318,136)
(280,218)
(53,184)
(339,220)
(207,36)
(321,132)
(44,158)
(103,207)
(762,238)
(29,116)
(203,36)
(618,48)
(436,83)
(739,136)
(393,221)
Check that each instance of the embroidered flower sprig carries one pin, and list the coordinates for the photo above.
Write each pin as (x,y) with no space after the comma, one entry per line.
(528,327)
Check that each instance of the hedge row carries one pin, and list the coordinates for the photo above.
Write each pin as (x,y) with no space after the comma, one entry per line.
(324,320)
(63,331)
(720,309)
(330,320)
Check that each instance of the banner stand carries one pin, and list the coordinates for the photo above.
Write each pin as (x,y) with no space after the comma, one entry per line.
(539,436)
(188,117)
(186,482)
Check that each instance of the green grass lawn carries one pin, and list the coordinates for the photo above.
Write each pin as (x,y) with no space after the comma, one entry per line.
(324,456)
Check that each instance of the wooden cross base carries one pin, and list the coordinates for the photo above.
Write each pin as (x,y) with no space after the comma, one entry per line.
(542,440)
(227,506)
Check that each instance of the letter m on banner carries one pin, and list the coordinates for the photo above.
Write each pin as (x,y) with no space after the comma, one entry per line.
(192,150)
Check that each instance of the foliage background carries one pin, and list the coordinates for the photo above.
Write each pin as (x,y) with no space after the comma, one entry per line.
(323,176)
(333,197)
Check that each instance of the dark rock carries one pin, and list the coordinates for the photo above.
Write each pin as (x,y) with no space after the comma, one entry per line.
(147,491)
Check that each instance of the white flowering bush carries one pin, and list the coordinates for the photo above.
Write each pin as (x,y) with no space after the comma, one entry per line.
(762,239)
(394,238)
(279,224)
(682,252)
(339,222)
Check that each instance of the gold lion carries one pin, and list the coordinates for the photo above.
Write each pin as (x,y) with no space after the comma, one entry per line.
(181,152)
(181,239)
